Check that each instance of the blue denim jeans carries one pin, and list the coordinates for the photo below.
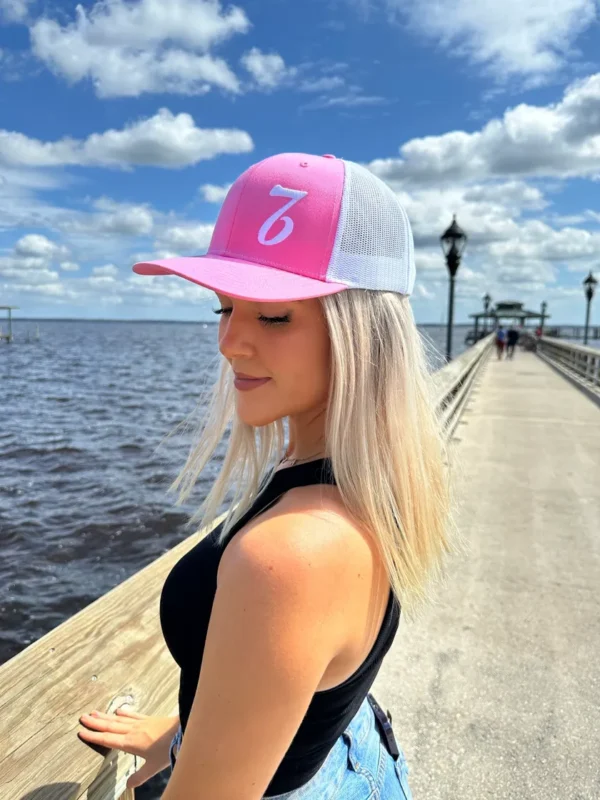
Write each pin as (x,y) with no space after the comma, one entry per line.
(358,767)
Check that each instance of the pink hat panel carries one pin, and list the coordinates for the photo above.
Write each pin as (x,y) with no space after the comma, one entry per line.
(283,212)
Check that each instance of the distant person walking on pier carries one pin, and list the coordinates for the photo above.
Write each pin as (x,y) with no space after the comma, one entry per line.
(500,341)
(512,337)
(278,655)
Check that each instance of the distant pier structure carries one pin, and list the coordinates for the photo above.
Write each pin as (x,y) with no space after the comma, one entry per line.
(7,337)
(509,310)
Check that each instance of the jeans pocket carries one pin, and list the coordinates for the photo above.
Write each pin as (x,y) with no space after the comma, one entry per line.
(356,756)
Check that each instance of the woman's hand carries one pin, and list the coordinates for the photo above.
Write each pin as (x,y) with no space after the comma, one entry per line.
(138,734)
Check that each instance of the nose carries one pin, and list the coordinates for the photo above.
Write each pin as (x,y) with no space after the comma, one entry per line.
(234,338)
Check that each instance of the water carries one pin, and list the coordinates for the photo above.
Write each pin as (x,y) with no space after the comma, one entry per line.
(83,473)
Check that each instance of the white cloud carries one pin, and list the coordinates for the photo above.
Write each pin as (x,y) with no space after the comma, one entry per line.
(122,219)
(423,291)
(14,10)
(505,245)
(186,239)
(429,260)
(537,273)
(35,271)
(69,266)
(583,217)
(16,273)
(129,48)
(38,246)
(154,255)
(267,69)
(510,194)
(430,212)
(166,289)
(560,140)
(327,83)
(31,261)
(350,97)
(538,241)
(164,140)
(108,271)
(214,194)
(512,38)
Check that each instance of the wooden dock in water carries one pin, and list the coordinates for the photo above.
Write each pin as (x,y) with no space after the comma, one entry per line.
(7,337)
(493,694)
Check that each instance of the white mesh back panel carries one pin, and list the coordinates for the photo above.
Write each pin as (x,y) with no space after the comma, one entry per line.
(374,246)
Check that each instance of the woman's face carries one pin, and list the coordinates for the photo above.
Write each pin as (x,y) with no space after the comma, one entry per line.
(293,351)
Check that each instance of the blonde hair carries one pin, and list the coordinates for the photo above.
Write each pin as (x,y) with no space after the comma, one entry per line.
(382,434)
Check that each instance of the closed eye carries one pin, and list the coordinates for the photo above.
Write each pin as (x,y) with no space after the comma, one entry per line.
(261,317)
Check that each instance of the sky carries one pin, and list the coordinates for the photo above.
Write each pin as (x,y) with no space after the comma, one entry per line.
(123,122)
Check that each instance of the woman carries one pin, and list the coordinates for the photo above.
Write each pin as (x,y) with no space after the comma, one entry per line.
(280,617)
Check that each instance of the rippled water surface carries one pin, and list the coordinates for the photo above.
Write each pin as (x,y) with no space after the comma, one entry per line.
(83,465)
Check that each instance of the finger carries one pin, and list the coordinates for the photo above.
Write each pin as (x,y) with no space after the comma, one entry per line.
(102,715)
(126,712)
(109,724)
(113,741)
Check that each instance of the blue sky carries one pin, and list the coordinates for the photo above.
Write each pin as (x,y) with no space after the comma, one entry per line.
(122,123)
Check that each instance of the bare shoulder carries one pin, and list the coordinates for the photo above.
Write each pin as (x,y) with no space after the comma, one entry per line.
(280,630)
(310,547)
(309,525)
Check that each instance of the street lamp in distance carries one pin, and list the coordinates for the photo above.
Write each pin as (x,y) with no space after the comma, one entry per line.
(543,315)
(590,286)
(454,241)
(486,307)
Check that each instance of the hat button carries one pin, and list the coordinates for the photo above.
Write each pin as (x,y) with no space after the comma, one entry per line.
(329,156)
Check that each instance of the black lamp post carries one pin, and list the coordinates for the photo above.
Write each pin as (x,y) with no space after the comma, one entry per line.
(544,307)
(453,242)
(486,305)
(590,285)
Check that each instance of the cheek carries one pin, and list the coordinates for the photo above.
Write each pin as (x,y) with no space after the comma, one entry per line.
(305,367)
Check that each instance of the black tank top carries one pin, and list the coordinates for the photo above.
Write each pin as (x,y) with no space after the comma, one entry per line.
(185,608)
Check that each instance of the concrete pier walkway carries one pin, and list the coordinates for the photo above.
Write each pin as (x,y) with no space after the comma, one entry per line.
(496,692)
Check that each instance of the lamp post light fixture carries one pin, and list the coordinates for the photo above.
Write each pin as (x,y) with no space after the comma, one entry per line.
(590,286)
(544,307)
(486,305)
(454,241)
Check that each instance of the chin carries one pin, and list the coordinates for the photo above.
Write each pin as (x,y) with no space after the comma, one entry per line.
(256,417)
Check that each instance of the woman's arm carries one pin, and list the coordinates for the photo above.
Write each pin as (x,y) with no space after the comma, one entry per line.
(276,624)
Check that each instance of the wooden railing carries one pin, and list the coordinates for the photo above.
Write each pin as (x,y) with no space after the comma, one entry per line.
(112,653)
(576,362)
(109,654)
(453,382)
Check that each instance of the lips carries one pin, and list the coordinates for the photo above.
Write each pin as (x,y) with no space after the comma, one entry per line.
(242,376)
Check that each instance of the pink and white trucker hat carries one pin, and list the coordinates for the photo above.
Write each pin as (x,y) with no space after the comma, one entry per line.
(296,226)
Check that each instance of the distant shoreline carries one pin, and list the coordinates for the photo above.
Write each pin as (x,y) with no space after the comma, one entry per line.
(216,322)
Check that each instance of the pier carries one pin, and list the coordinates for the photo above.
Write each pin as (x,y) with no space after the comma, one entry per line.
(494,693)
(7,337)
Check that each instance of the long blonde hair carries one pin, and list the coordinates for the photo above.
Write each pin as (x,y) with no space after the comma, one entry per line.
(382,434)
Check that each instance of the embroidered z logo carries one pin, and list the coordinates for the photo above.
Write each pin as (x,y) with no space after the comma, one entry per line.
(295,196)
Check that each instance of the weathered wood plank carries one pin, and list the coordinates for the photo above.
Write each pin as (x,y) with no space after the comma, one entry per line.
(109,653)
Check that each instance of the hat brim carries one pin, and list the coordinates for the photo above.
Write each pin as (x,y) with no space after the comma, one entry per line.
(244,280)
